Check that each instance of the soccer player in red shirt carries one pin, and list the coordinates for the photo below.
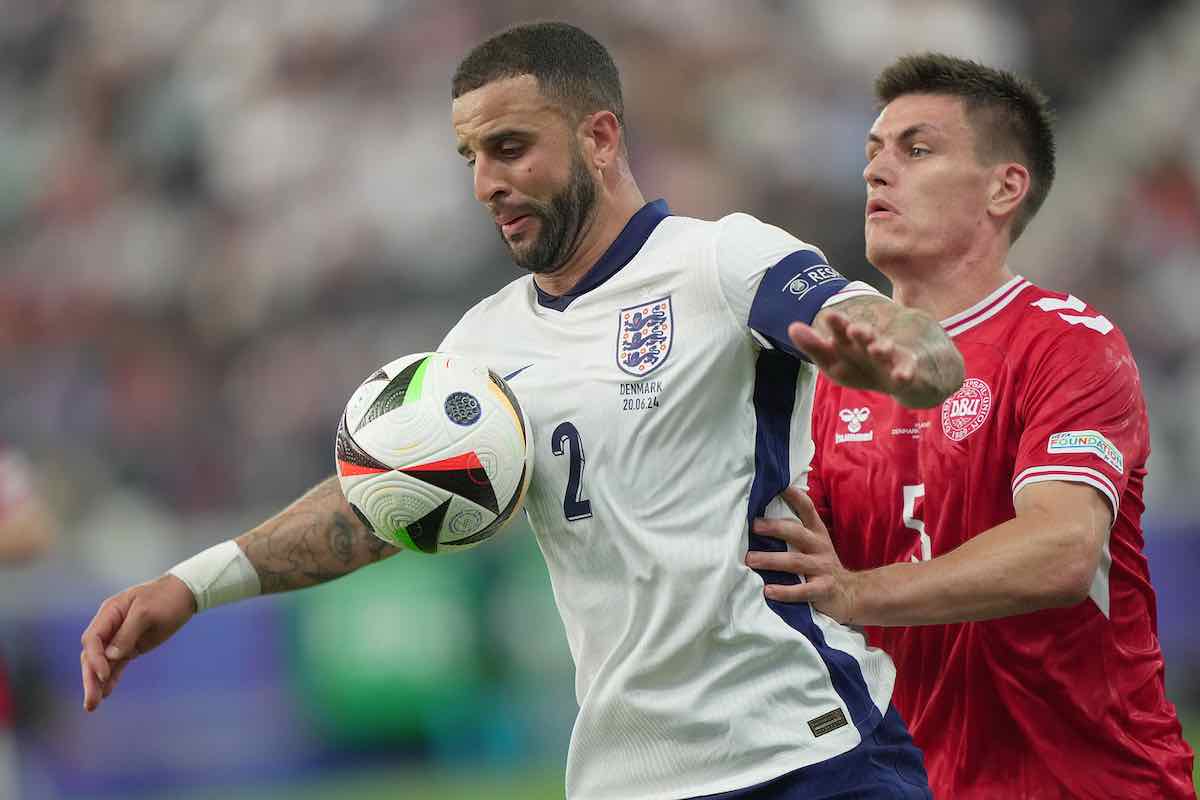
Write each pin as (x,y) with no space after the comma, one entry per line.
(992,546)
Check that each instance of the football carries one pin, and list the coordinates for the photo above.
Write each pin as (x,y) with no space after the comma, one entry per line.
(432,453)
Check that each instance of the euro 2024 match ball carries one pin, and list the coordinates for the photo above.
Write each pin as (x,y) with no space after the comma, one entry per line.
(433,453)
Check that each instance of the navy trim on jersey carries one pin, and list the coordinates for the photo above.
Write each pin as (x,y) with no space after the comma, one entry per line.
(886,765)
(793,291)
(619,253)
(775,376)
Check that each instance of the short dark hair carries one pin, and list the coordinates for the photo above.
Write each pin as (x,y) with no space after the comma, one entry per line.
(1010,116)
(571,67)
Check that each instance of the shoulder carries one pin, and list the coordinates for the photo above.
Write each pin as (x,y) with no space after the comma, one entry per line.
(498,307)
(514,293)
(1062,346)
(680,233)
(1060,322)
(741,228)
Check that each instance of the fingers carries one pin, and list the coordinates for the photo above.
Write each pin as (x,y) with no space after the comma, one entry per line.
(91,684)
(882,349)
(904,367)
(865,336)
(786,561)
(118,671)
(799,536)
(811,342)
(815,591)
(109,642)
(897,362)
(124,643)
(839,330)
(95,666)
(854,342)
(802,506)
(98,632)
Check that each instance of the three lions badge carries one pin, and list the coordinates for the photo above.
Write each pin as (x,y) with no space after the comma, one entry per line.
(644,336)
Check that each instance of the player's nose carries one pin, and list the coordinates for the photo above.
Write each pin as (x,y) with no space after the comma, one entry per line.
(876,172)
(489,186)
(873,174)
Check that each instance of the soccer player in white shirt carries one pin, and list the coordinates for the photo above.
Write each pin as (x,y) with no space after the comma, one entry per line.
(669,351)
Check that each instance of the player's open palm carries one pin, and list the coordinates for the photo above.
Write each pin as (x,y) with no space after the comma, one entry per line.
(129,624)
(857,354)
(827,586)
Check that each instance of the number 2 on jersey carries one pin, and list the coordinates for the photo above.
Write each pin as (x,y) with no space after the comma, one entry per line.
(574,505)
(911,493)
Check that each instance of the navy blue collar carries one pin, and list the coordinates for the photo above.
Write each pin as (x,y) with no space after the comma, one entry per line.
(619,253)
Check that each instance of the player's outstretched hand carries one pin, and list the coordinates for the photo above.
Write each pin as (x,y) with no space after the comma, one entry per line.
(828,586)
(127,625)
(857,354)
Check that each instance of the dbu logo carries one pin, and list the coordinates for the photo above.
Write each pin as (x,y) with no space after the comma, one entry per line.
(966,410)
(965,407)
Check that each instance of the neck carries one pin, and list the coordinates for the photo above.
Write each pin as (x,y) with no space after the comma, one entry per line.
(944,288)
(618,200)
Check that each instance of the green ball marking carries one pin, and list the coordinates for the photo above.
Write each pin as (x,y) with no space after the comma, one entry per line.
(400,536)
(413,394)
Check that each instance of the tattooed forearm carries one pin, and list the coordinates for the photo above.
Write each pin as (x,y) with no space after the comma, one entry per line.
(314,540)
(939,365)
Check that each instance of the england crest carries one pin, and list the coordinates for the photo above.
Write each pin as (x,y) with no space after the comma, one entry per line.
(644,336)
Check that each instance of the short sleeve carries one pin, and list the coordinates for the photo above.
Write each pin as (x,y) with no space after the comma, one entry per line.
(771,279)
(1084,416)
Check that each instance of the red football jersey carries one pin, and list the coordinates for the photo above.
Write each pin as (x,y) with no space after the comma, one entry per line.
(1060,703)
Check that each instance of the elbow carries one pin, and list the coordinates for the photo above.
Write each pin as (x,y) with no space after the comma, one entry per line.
(1066,593)
(1070,578)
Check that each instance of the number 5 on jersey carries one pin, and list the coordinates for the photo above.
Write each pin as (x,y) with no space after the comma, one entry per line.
(574,505)
(911,494)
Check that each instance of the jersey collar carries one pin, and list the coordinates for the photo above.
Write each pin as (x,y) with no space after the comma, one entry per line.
(619,253)
(986,308)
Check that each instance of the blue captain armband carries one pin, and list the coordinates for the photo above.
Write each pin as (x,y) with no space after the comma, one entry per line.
(793,290)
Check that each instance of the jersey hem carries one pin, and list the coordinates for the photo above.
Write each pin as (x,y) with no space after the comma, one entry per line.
(776,768)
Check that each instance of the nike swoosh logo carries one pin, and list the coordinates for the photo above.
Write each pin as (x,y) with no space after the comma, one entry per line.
(512,375)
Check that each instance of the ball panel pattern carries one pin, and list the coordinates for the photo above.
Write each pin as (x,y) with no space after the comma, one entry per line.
(404,388)
(423,534)
(432,452)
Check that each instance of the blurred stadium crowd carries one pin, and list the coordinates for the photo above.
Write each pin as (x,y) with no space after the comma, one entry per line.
(216,218)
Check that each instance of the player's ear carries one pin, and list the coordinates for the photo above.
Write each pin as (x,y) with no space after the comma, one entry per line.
(1008,186)
(601,134)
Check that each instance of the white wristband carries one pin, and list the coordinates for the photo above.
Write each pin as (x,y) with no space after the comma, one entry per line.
(221,574)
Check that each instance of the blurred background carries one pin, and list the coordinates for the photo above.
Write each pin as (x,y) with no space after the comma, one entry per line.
(217,218)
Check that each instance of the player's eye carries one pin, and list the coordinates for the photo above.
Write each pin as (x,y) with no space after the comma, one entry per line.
(511,150)
(916,151)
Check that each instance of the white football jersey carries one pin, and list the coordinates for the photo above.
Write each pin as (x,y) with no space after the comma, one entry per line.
(664,416)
